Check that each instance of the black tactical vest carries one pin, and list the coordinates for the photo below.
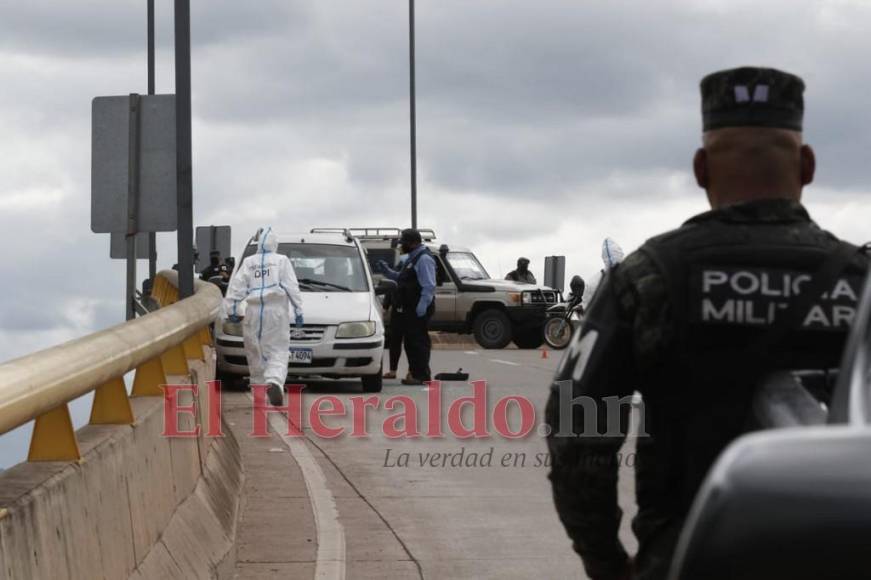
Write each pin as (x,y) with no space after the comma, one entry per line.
(730,278)
(409,290)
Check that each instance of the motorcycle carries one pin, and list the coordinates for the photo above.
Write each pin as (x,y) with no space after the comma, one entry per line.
(563,318)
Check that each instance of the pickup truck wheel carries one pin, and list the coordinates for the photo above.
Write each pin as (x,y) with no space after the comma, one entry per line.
(529,337)
(372,383)
(492,329)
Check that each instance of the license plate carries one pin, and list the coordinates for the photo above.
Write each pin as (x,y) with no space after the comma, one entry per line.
(301,356)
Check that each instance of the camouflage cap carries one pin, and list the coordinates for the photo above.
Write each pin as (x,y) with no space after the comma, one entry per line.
(752,97)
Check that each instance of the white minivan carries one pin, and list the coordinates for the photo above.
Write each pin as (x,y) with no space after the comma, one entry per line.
(343,336)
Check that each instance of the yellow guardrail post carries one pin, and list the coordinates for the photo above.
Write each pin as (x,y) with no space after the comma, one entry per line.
(158,291)
(174,361)
(149,376)
(193,348)
(111,404)
(54,438)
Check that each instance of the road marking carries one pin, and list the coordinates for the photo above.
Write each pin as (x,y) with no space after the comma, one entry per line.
(505,362)
(330,563)
(473,352)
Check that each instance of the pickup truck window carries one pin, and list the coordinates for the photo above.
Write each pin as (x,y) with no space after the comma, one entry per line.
(467,266)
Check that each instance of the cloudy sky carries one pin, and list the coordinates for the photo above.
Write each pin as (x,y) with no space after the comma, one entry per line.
(543,126)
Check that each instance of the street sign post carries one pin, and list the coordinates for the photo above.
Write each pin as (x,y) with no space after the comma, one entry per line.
(184,160)
(118,246)
(152,236)
(133,172)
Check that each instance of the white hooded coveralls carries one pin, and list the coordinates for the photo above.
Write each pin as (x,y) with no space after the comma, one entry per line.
(267,283)
(612,254)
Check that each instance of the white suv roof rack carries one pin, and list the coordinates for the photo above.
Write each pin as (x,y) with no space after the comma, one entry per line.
(427,234)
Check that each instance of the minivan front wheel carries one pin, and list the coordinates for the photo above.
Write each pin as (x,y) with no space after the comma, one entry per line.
(372,383)
(492,329)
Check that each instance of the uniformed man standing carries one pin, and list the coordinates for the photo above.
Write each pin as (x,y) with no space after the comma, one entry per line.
(214,267)
(522,273)
(693,320)
(415,303)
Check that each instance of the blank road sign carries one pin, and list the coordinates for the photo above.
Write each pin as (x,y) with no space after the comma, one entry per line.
(555,272)
(110,151)
(118,246)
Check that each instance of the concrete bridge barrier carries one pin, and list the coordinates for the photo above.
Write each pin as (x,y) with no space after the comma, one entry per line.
(133,503)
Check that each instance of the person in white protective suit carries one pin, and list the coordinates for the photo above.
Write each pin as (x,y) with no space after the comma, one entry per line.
(267,283)
(612,254)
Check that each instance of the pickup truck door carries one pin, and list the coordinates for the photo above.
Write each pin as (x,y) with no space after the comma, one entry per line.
(445,295)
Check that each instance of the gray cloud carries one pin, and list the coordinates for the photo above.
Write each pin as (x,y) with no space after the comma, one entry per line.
(116,28)
(543,126)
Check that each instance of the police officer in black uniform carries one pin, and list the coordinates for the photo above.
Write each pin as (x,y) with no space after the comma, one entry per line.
(215,266)
(415,303)
(693,320)
(522,273)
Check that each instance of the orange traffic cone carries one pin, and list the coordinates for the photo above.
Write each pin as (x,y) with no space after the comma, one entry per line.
(543,353)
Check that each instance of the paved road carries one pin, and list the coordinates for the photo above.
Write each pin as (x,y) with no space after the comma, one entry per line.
(353,508)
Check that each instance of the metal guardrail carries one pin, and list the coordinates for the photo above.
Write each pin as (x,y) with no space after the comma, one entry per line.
(40,385)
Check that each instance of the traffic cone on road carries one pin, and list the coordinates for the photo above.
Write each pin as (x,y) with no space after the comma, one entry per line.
(544,353)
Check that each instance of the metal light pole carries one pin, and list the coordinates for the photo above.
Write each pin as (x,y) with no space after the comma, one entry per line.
(152,237)
(134,129)
(183,147)
(413,116)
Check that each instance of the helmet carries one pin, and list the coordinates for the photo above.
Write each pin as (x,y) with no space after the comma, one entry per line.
(577,285)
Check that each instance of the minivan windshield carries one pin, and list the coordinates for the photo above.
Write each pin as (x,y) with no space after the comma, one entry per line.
(325,267)
(467,266)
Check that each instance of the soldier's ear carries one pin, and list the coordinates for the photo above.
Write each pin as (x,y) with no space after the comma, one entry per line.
(808,165)
(700,168)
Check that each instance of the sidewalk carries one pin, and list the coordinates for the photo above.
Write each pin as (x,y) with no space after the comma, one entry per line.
(277,535)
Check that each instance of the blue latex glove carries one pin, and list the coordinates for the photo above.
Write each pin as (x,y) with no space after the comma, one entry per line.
(381,265)
(299,321)
(421,309)
(234,318)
